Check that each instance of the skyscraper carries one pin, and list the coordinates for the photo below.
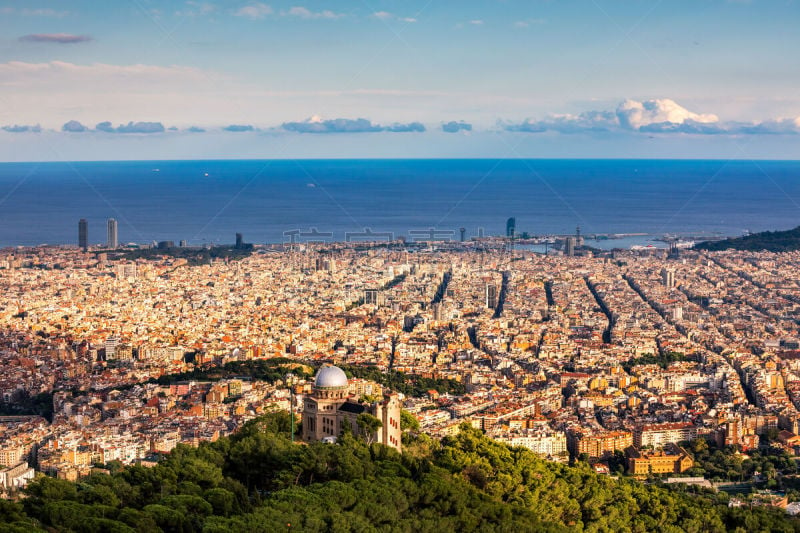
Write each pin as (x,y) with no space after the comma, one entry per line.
(569,246)
(111,239)
(83,234)
(511,226)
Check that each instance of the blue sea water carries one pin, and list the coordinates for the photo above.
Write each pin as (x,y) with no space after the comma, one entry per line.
(209,201)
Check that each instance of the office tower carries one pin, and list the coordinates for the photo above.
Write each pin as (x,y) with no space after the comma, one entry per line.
(463,234)
(511,226)
(239,240)
(183,243)
(111,240)
(668,278)
(83,234)
(491,295)
(480,233)
(578,237)
(569,246)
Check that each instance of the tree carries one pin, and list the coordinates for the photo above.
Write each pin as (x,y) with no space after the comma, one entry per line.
(369,426)
(408,421)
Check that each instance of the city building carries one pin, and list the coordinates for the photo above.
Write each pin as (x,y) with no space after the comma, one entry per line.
(668,278)
(491,295)
(511,226)
(330,409)
(569,246)
(671,460)
(83,234)
(125,270)
(372,297)
(657,435)
(16,477)
(111,240)
(600,443)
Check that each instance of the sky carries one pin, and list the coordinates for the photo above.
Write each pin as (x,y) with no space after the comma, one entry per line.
(141,79)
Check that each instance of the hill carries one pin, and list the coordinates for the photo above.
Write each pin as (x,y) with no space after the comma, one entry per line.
(257,480)
(770,241)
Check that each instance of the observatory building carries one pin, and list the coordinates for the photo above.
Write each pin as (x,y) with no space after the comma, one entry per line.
(330,409)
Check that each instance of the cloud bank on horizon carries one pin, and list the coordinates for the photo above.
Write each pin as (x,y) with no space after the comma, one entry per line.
(652,116)
(655,116)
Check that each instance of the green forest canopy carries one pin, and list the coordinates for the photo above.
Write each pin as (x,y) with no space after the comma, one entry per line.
(771,241)
(257,480)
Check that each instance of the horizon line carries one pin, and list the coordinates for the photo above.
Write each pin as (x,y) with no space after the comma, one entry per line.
(495,159)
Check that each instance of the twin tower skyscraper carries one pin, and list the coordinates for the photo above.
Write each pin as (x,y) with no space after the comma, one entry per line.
(112,240)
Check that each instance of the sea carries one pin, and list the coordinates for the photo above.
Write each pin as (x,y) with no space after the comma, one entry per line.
(616,203)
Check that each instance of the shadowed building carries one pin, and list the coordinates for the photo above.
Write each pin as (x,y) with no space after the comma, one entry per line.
(511,227)
(83,234)
(330,409)
(111,236)
(569,246)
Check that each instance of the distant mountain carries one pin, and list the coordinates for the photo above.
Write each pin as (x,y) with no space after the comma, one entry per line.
(770,241)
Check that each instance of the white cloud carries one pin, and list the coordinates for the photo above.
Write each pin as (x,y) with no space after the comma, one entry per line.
(589,121)
(305,13)
(254,11)
(634,114)
(476,22)
(661,116)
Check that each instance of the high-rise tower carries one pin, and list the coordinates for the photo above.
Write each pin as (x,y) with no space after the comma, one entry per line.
(83,234)
(569,246)
(111,239)
(511,227)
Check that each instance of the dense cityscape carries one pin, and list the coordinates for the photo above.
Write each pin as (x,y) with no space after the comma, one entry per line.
(674,365)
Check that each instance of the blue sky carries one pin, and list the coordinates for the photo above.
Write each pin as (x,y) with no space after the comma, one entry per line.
(366,78)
